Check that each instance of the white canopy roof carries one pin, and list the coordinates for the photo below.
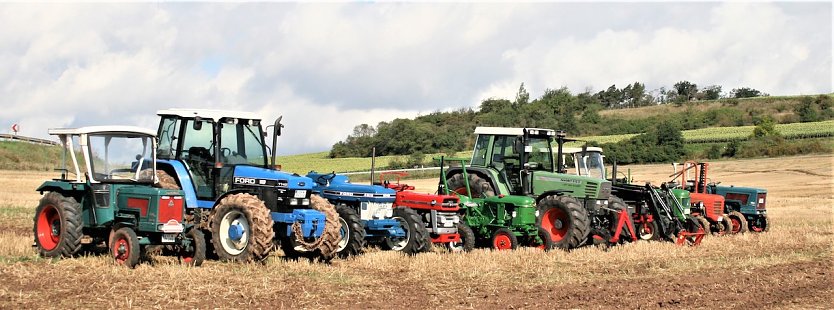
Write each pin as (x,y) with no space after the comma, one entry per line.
(214,115)
(571,150)
(118,129)
(507,131)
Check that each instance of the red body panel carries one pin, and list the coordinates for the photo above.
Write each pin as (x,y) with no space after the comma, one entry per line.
(170,208)
(713,205)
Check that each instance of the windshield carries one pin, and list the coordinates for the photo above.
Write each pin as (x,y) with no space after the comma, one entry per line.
(541,156)
(592,165)
(241,143)
(120,158)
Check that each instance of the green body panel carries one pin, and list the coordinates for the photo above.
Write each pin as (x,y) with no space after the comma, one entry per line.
(571,185)
(486,215)
(682,197)
(63,187)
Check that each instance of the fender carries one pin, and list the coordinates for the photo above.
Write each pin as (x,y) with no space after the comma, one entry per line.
(181,173)
(479,171)
(557,192)
(232,192)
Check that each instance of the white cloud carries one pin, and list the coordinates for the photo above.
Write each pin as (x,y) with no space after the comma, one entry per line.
(330,66)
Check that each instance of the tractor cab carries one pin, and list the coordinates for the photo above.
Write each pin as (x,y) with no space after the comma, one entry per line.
(590,163)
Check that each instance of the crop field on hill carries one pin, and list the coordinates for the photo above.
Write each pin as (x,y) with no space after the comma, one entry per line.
(787,267)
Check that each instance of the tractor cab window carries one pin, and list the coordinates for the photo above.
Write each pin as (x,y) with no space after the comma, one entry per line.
(169,129)
(540,155)
(480,152)
(198,153)
(506,159)
(120,158)
(592,165)
(241,143)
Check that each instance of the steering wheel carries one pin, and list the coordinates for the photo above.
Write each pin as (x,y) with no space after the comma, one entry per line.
(325,178)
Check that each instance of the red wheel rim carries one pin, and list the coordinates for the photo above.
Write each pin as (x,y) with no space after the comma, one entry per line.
(49,228)
(121,250)
(187,259)
(555,222)
(502,242)
(736,225)
(461,190)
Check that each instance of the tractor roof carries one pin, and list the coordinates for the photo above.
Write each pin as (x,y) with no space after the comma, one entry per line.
(507,131)
(572,150)
(214,115)
(118,130)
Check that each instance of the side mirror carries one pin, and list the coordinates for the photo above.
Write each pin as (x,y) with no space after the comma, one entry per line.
(278,126)
(198,123)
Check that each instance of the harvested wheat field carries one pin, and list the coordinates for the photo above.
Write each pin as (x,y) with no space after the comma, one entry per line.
(787,267)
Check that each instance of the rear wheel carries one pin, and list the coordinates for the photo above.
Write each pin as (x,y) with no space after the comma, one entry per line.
(565,220)
(504,239)
(544,242)
(726,225)
(618,206)
(58,226)
(738,221)
(351,232)
(241,229)
(759,225)
(479,186)
(124,246)
(416,238)
(467,239)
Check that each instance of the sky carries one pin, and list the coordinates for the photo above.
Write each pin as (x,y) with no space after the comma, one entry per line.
(327,67)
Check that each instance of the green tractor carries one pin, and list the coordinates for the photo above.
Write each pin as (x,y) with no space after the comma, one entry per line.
(504,221)
(112,200)
(519,161)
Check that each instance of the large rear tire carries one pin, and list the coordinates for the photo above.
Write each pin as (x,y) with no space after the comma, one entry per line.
(705,224)
(351,232)
(479,186)
(467,239)
(58,226)
(241,229)
(565,220)
(416,238)
(738,221)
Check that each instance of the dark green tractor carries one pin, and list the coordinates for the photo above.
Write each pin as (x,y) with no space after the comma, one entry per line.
(111,199)
(503,221)
(520,161)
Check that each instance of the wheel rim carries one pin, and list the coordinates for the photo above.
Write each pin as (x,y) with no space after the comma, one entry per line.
(736,224)
(121,250)
(555,221)
(646,231)
(398,244)
(344,231)
(456,247)
(502,241)
(234,232)
(461,190)
(760,226)
(49,228)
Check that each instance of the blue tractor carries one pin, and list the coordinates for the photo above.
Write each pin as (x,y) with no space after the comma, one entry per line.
(368,215)
(232,191)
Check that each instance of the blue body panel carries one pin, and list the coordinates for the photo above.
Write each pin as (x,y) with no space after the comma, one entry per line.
(187,185)
(340,189)
(748,207)
(311,221)
(294,181)
(383,228)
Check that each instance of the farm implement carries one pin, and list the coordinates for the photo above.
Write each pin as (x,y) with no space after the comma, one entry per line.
(745,206)
(115,202)
(231,190)
(503,221)
(368,214)
(662,213)
(438,211)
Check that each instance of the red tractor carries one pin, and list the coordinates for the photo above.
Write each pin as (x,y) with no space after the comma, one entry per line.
(707,208)
(439,212)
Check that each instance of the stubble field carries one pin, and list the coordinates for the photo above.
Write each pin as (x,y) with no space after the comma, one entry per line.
(788,267)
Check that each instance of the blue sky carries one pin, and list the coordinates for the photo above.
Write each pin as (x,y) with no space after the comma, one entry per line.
(330,66)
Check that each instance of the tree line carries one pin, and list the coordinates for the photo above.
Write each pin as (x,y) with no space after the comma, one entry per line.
(577,114)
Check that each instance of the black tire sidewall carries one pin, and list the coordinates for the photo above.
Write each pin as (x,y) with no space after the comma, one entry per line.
(134,249)
(69,213)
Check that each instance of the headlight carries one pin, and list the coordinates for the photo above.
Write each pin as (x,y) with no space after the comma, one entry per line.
(515,213)
(300,194)
(537,213)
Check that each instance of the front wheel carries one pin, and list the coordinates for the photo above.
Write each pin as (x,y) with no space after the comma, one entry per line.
(738,221)
(504,239)
(195,253)
(565,220)
(352,233)
(124,246)
(544,242)
(467,239)
(241,229)
(704,223)
(647,230)
(416,237)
